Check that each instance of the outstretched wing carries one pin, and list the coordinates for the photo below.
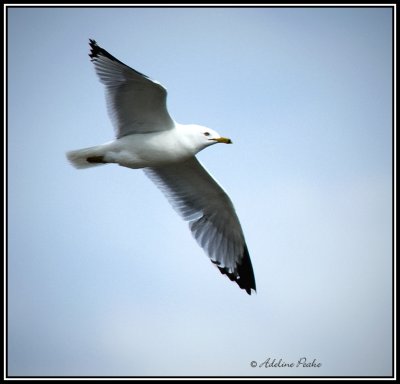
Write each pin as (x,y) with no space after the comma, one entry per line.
(198,198)
(135,103)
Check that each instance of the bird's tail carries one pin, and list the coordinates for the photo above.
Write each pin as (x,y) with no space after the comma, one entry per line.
(87,157)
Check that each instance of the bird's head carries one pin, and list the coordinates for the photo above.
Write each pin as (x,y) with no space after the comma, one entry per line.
(204,137)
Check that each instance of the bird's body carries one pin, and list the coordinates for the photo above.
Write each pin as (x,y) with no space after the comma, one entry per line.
(147,137)
(143,150)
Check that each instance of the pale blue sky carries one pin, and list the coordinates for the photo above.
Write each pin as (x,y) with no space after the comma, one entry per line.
(104,278)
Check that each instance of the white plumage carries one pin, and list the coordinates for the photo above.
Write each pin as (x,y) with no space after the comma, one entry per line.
(147,137)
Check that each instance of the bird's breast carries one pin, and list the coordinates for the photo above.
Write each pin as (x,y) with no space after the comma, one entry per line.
(150,150)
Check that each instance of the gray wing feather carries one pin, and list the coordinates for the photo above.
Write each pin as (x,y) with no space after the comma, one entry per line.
(198,198)
(135,103)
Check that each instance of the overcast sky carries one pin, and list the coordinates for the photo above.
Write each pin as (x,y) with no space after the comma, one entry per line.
(104,278)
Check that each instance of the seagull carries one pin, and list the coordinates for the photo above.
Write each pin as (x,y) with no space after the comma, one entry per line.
(148,138)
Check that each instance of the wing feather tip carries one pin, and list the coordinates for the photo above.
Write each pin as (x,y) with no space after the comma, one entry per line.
(244,275)
(94,49)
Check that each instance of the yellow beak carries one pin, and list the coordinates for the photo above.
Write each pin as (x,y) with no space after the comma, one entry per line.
(223,140)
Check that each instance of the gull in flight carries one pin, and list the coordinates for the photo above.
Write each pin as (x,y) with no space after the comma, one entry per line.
(148,138)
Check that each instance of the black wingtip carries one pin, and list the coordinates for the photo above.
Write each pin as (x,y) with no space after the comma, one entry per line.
(95,50)
(244,276)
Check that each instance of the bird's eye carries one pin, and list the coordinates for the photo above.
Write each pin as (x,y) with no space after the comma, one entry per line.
(206,133)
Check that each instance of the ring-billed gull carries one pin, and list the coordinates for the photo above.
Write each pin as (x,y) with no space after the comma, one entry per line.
(147,137)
